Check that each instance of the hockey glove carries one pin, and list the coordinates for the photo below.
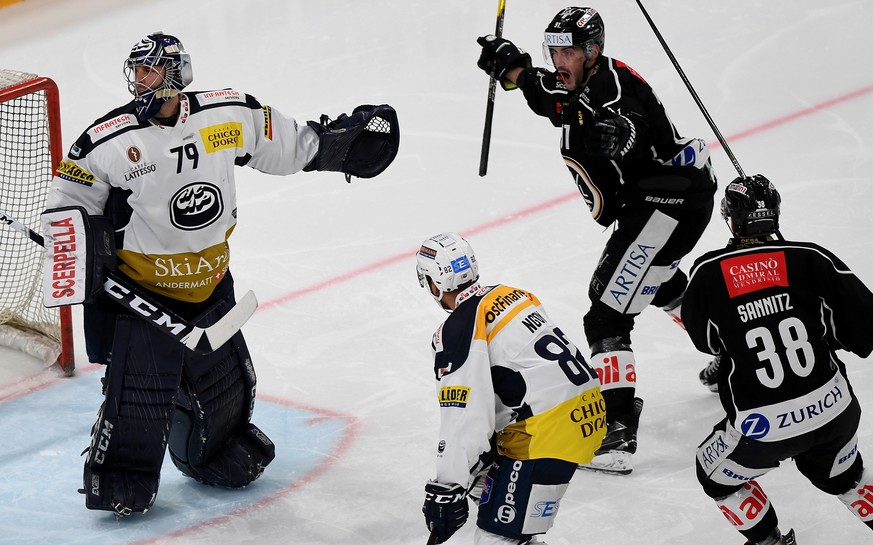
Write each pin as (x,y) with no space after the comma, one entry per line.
(79,248)
(445,509)
(613,135)
(499,56)
(362,144)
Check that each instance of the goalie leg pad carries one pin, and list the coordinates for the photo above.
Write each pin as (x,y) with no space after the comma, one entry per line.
(212,439)
(129,439)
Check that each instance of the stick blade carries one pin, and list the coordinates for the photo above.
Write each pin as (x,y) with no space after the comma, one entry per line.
(221,331)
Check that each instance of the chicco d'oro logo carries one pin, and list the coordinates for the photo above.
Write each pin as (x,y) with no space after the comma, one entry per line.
(218,137)
(195,206)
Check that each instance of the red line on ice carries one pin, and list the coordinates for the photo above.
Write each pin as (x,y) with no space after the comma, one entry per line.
(407,256)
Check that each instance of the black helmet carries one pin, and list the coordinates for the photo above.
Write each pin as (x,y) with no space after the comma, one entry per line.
(750,206)
(575,26)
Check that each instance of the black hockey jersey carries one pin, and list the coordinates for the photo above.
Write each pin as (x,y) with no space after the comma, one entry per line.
(779,310)
(605,184)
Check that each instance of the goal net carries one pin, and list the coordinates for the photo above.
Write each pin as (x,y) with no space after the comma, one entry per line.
(30,149)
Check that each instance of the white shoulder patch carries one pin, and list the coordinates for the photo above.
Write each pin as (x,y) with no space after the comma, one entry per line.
(220,97)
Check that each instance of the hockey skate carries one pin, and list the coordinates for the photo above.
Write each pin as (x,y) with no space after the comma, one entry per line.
(709,375)
(775,538)
(614,457)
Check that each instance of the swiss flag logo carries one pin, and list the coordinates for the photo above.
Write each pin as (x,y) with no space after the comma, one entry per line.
(752,272)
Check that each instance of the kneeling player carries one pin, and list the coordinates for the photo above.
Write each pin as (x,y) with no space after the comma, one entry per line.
(520,407)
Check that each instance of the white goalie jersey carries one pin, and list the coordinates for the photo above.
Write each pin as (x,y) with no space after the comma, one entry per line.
(170,190)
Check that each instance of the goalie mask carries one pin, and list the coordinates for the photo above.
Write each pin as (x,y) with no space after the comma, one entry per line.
(448,261)
(153,51)
(750,207)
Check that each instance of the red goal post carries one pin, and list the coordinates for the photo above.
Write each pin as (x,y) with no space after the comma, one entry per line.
(30,150)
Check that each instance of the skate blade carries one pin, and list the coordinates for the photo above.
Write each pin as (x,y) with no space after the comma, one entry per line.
(614,462)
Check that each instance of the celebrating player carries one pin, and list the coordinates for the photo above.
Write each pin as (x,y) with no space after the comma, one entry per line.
(518,403)
(633,170)
(149,187)
(778,311)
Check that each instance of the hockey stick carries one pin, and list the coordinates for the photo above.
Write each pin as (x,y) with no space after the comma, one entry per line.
(696,98)
(197,339)
(721,139)
(492,91)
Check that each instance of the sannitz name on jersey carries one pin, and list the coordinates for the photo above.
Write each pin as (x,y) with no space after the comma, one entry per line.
(765,307)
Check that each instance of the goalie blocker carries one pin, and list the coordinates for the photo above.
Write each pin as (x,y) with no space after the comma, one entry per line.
(79,247)
(362,144)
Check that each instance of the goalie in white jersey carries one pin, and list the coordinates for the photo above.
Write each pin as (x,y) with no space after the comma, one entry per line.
(519,404)
(149,188)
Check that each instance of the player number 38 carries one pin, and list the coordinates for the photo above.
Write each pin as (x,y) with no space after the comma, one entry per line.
(798,351)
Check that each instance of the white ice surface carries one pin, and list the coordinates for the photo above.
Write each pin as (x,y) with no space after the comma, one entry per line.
(344,327)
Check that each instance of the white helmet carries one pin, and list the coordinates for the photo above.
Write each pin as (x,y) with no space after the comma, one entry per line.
(448,260)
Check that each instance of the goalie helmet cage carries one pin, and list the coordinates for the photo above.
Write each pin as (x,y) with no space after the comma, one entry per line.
(30,150)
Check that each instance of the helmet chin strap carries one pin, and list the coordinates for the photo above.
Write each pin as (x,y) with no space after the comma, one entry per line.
(587,71)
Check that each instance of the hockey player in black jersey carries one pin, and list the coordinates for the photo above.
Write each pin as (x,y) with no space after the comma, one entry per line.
(519,405)
(635,173)
(150,187)
(778,311)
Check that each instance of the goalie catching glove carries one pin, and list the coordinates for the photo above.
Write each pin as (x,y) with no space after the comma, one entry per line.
(445,509)
(362,144)
(79,248)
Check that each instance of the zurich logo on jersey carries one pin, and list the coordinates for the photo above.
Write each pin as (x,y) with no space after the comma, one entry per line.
(755,426)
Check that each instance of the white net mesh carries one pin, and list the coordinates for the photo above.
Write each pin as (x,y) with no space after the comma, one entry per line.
(25,174)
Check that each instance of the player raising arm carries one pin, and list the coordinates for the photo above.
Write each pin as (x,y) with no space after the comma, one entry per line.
(636,173)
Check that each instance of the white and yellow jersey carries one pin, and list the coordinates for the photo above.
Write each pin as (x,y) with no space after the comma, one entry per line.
(505,370)
(170,190)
